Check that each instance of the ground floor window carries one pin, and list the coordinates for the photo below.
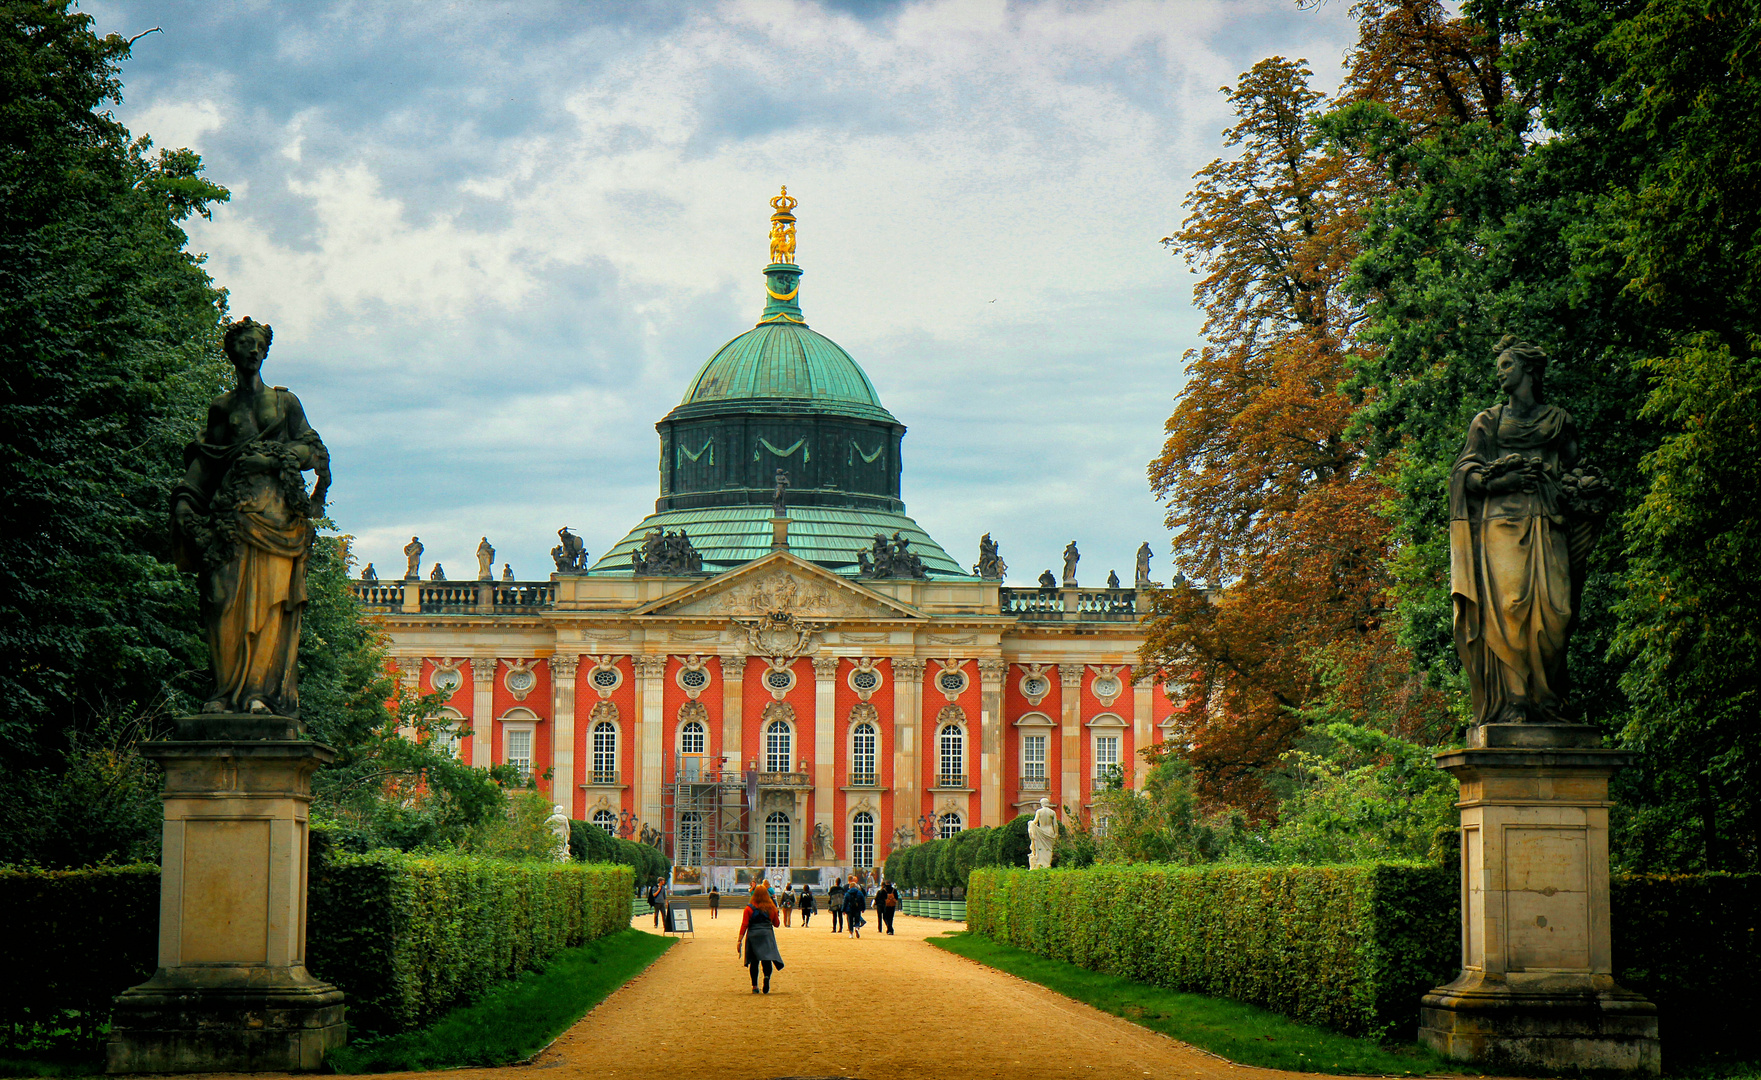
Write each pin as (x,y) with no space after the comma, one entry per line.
(1106,761)
(948,825)
(689,851)
(776,839)
(606,820)
(862,840)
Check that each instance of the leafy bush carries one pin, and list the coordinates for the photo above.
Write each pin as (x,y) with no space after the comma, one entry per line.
(407,937)
(590,843)
(1368,941)
(79,937)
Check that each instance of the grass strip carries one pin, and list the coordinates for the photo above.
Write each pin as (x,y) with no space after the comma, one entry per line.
(517,1019)
(1245,1034)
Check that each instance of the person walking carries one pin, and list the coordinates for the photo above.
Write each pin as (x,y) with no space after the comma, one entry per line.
(715,902)
(657,900)
(756,944)
(809,906)
(854,903)
(787,903)
(835,901)
(885,901)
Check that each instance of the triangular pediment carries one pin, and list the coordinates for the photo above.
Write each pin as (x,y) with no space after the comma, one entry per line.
(780,582)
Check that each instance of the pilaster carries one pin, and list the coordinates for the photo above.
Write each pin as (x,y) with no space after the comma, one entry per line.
(907,674)
(1070,778)
(733,710)
(1143,722)
(562,742)
(825,727)
(991,757)
(650,673)
(483,711)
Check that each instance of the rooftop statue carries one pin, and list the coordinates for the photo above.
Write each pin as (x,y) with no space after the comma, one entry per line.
(1523,515)
(1113,579)
(990,562)
(507,572)
(485,560)
(438,573)
(369,574)
(782,228)
(413,552)
(242,520)
(665,554)
(779,498)
(1143,565)
(570,555)
(1046,580)
(890,559)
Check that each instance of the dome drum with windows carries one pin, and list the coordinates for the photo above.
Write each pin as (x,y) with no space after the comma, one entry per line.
(781,396)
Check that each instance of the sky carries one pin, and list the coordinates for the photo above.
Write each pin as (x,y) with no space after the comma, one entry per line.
(497,240)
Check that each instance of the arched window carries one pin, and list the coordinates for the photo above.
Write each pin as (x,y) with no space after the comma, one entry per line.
(691,738)
(776,839)
(952,759)
(606,820)
(449,727)
(863,740)
(519,738)
(778,749)
(947,825)
(689,851)
(605,752)
(862,840)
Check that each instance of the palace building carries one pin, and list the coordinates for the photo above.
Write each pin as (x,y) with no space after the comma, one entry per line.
(779,666)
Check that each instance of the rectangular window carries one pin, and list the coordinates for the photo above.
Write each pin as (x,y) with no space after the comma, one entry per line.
(862,755)
(517,744)
(1106,759)
(605,753)
(862,842)
(1033,757)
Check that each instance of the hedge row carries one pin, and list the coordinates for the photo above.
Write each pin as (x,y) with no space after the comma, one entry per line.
(946,864)
(74,939)
(590,843)
(1689,943)
(405,938)
(1346,947)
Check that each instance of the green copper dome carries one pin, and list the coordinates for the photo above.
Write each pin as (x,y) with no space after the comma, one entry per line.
(784,363)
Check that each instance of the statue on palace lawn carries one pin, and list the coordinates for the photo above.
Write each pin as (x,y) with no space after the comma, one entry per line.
(485,560)
(1042,832)
(570,555)
(990,561)
(1071,555)
(558,824)
(413,552)
(1522,517)
(1143,565)
(242,520)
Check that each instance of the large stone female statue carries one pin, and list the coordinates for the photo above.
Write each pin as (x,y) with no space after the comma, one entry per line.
(242,520)
(1522,518)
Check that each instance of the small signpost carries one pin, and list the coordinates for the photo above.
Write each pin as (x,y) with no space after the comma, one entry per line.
(679,919)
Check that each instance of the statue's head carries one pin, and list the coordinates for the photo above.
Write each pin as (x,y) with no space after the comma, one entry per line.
(1045,803)
(1517,358)
(247,343)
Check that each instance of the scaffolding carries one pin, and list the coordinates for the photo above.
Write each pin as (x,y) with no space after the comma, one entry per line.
(707,818)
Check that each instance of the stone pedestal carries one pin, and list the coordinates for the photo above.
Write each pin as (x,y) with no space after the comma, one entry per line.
(232,992)
(1537,983)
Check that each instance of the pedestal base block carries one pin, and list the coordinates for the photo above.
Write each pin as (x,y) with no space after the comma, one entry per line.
(184,1029)
(1612,1030)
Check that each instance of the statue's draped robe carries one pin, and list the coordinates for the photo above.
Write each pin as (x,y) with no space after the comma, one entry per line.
(1510,573)
(252,603)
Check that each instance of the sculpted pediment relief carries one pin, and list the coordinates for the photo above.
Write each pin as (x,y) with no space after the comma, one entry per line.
(780,585)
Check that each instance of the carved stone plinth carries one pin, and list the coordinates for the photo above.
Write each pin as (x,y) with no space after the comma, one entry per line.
(1537,983)
(232,992)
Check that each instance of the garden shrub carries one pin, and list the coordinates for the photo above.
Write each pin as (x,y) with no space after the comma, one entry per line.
(1689,943)
(590,843)
(76,939)
(1346,947)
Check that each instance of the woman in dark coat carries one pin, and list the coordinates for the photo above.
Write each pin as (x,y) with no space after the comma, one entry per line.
(715,902)
(758,936)
(809,906)
(854,903)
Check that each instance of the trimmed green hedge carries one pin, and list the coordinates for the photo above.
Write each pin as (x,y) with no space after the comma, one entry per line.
(1347,947)
(947,864)
(590,843)
(407,938)
(1690,944)
(74,939)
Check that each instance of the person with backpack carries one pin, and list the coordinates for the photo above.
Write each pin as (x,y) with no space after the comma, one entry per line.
(756,944)
(855,902)
(787,903)
(809,906)
(886,901)
(657,901)
(835,902)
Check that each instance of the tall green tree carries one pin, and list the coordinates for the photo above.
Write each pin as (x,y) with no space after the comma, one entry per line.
(110,353)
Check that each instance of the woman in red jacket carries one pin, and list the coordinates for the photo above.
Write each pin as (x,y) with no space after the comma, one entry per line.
(758,936)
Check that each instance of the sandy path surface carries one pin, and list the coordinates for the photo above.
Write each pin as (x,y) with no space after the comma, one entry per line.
(882,1008)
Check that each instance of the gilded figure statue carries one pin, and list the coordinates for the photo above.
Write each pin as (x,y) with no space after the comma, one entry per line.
(242,521)
(1523,515)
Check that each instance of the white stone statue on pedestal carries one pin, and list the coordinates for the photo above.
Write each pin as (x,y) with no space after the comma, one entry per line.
(558,824)
(1042,831)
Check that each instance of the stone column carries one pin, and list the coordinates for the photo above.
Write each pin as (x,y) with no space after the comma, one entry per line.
(483,711)
(825,741)
(991,759)
(733,710)
(907,742)
(650,671)
(1537,986)
(1143,728)
(1070,779)
(232,993)
(562,732)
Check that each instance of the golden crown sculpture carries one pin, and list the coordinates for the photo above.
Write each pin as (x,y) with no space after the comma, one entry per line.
(782,228)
